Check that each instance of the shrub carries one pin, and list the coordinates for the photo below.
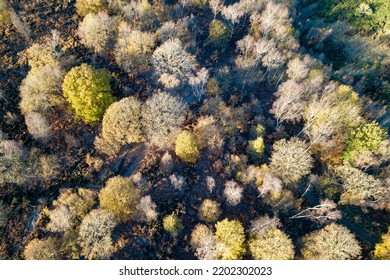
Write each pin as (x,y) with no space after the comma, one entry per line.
(209,211)
(121,197)
(95,234)
(290,160)
(85,7)
(41,89)
(186,147)
(333,242)
(230,236)
(162,116)
(122,123)
(133,48)
(382,249)
(274,244)
(172,224)
(88,91)
(96,31)
(219,34)
(38,126)
(45,249)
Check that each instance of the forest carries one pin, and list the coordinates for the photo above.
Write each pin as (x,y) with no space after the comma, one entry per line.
(194,129)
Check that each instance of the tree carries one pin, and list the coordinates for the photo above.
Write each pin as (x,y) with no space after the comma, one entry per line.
(96,31)
(360,188)
(121,197)
(208,133)
(147,208)
(256,148)
(133,48)
(219,35)
(5,14)
(88,91)
(38,126)
(95,234)
(186,147)
(45,249)
(41,55)
(203,242)
(336,110)
(170,30)
(290,160)
(333,242)
(233,192)
(273,16)
(141,13)
(85,7)
(366,137)
(70,209)
(270,185)
(41,89)
(299,68)
(19,165)
(171,58)
(209,211)
(122,124)
(172,224)
(162,115)
(382,249)
(273,244)
(230,239)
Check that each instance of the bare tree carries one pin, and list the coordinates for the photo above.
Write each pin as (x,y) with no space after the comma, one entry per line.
(273,15)
(324,212)
(216,6)
(299,68)
(199,82)
(232,13)
(171,58)
(289,104)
